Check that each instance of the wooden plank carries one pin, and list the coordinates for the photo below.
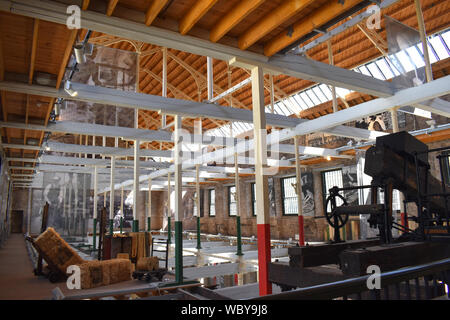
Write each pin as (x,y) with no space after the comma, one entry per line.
(304,26)
(85,4)
(153,11)
(195,13)
(390,257)
(283,274)
(316,255)
(121,289)
(273,19)
(232,18)
(33,50)
(111,6)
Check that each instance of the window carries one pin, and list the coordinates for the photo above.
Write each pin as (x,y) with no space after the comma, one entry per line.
(289,196)
(253,186)
(212,203)
(232,208)
(330,179)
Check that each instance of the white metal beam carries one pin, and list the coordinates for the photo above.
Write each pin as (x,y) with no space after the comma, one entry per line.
(194,109)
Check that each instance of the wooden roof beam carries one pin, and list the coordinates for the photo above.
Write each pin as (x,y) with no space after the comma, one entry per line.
(195,13)
(111,6)
(272,20)
(33,50)
(304,26)
(232,18)
(153,11)
(85,4)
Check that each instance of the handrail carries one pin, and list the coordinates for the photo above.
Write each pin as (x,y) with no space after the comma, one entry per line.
(359,284)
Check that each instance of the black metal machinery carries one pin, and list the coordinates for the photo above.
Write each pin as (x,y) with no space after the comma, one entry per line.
(397,161)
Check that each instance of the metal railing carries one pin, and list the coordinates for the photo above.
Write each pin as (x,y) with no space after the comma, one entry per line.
(427,281)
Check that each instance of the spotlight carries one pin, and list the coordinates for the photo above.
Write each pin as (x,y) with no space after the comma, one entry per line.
(328,158)
(57,108)
(79,53)
(69,90)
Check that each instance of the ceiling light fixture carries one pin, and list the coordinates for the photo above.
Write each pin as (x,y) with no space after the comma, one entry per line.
(69,90)
(79,53)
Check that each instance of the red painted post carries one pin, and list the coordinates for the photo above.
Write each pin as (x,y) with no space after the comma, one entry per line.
(301,232)
(264,257)
(404,220)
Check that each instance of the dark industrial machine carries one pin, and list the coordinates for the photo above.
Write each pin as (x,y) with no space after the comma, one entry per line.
(397,161)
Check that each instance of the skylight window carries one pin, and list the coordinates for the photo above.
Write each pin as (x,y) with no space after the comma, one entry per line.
(375,71)
(382,68)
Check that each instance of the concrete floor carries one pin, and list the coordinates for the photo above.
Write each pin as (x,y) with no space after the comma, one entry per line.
(216,259)
(17,281)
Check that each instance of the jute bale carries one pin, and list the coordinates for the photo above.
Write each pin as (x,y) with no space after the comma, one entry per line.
(147,264)
(57,250)
(125,269)
(123,256)
(102,273)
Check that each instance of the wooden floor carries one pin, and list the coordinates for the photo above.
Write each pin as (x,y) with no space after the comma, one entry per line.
(17,281)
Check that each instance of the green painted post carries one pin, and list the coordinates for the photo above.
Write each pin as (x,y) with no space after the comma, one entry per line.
(178,252)
(239,238)
(199,245)
(149,224)
(169,231)
(135,226)
(94,240)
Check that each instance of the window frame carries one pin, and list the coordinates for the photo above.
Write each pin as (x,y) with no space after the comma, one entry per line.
(283,197)
(230,202)
(325,192)
(210,191)
(253,198)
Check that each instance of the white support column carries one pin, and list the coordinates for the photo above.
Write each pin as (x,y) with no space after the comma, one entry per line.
(69,209)
(29,209)
(210,77)
(136,111)
(136,185)
(236,183)
(95,191)
(83,226)
(111,187)
(178,201)
(164,84)
(333,88)
(168,196)
(272,95)
(121,202)
(262,190)
(149,212)
(298,172)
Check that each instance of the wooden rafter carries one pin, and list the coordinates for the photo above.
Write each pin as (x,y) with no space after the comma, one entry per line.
(33,50)
(304,26)
(272,20)
(232,18)
(111,6)
(85,4)
(198,10)
(153,11)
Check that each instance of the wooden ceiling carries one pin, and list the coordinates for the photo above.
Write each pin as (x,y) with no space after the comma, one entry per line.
(30,46)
